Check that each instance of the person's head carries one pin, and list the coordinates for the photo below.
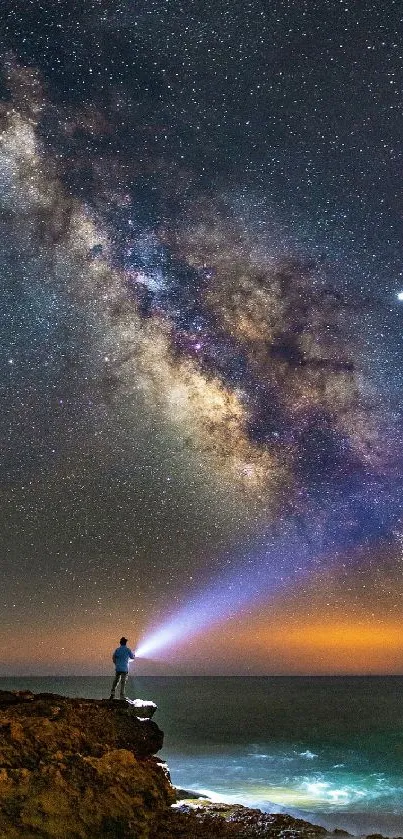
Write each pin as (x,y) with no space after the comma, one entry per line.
(123,641)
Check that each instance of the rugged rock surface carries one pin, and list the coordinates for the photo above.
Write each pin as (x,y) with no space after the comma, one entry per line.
(204,820)
(78,769)
(222,821)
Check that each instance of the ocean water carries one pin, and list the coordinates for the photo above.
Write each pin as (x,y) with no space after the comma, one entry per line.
(329,750)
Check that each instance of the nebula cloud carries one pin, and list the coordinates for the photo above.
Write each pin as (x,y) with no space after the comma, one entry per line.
(254,362)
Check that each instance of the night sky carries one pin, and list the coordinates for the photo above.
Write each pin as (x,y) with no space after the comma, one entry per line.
(201,349)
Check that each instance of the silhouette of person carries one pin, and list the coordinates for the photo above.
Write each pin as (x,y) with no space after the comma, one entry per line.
(121,658)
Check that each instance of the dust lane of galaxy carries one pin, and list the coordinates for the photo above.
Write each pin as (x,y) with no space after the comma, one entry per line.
(246,357)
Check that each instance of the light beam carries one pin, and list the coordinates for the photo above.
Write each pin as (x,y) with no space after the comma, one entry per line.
(303,546)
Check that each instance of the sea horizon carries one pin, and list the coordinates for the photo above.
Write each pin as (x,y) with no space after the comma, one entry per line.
(192,674)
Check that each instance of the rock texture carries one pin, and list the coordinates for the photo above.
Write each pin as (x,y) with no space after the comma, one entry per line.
(204,820)
(223,821)
(78,769)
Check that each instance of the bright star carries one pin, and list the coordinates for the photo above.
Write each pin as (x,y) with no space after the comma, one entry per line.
(400,295)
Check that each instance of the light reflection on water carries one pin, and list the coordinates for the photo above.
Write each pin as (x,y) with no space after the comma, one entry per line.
(299,784)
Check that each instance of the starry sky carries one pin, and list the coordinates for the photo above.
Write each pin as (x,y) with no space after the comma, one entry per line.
(201,352)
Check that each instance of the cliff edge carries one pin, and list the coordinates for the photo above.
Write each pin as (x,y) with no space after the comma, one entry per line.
(78,769)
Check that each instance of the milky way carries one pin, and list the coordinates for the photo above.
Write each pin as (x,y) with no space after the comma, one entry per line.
(157,322)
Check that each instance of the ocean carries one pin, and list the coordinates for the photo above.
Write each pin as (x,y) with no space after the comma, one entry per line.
(329,750)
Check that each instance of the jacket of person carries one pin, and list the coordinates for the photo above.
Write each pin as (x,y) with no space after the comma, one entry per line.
(121,658)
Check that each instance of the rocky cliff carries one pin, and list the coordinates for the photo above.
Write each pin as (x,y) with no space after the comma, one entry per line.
(78,769)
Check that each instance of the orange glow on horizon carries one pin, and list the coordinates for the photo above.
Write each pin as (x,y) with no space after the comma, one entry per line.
(337,636)
(339,647)
(270,644)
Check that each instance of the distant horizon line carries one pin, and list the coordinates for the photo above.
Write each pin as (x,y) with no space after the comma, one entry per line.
(205,675)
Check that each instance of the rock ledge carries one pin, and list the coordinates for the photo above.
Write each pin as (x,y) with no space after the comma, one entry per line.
(78,769)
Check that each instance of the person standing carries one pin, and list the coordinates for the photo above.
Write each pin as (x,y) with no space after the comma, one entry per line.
(121,658)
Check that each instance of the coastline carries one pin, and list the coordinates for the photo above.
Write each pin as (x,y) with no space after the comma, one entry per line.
(207,820)
(190,801)
(182,725)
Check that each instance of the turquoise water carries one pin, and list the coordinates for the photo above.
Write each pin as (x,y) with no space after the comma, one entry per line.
(326,749)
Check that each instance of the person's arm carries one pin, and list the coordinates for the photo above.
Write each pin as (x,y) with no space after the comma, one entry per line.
(131,654)
(114,657)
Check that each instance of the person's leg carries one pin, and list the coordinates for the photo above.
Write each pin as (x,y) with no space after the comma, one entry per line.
(114,686)
(123,680)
